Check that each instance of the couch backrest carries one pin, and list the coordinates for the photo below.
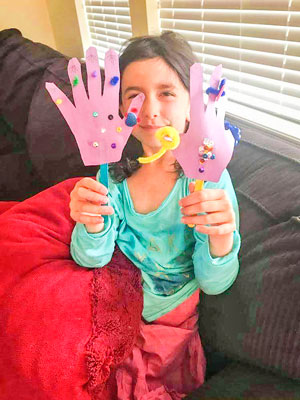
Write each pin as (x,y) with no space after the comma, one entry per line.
(257,319)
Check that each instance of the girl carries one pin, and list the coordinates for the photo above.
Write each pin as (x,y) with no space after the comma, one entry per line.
(150,207)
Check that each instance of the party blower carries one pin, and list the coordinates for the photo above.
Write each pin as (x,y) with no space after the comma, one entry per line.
(100,133)
(205,150)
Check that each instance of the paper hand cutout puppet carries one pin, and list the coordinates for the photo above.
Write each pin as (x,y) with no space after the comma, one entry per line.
(94,118)
(206,148)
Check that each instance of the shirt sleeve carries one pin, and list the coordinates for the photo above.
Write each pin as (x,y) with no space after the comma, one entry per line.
(216,274)
(95,250)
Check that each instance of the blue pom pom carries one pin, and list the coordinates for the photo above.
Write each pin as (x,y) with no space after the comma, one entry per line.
(131,119)
(114,80)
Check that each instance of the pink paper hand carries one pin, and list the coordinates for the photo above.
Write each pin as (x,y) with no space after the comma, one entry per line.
(94,120)
(206,148)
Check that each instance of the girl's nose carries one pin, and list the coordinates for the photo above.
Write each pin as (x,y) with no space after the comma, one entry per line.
(150,109)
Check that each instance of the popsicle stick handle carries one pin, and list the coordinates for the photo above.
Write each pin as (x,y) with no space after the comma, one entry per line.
(199,186)
(104,181)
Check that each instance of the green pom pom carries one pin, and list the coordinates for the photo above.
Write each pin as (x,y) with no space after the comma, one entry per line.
(75,80)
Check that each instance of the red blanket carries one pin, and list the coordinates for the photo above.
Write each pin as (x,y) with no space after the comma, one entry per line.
(64,328)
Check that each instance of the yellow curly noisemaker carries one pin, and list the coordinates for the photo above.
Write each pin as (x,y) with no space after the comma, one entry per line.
(169,139)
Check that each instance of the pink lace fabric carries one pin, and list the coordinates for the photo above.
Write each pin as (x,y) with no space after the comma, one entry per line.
(167,361)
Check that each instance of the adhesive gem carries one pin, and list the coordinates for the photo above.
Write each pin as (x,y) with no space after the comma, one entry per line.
(113,145)
(95,144)
(94,74)
(58,101)
(103,130)
(134,110)
(114,80)
(75,80)
(213,157)
(131,119)
(201,170)
(95,114)
(119,129)
(110,117)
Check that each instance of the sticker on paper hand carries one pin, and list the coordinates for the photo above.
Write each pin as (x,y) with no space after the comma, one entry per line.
(100,133)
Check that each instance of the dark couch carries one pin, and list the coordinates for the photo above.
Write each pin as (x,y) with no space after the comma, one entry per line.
(251,333)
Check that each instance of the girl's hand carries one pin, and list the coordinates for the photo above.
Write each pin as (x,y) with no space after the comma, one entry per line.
(87,204)
(219,214)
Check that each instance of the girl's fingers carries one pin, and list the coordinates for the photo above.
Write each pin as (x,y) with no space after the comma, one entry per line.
(216,230)
(210,219)
(89,220)
(201,196)
(87,208)
(89,195)
(92,184)
(205,207)
(90,209)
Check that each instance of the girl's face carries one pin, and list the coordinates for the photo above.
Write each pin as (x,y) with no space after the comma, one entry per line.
(166,99)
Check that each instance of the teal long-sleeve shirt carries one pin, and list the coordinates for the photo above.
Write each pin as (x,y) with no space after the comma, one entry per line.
(174,259)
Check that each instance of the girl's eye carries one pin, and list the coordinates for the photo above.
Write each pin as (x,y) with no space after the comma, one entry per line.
(132,96)
(168,94)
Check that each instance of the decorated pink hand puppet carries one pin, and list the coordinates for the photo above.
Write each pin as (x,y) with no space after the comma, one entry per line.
(100,133)
(206,148)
